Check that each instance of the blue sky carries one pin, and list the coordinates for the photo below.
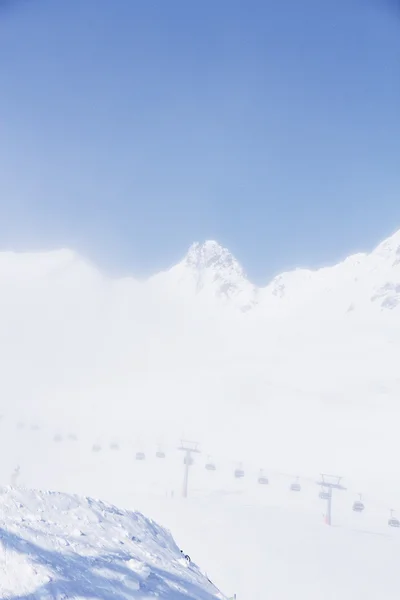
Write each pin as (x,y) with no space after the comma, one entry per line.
(129,129)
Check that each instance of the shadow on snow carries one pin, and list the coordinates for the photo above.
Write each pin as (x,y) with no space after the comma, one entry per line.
(76,575)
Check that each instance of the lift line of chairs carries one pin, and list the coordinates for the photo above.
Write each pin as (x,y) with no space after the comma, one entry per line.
(358,505)
(139,455)
(238,472)
(263,479)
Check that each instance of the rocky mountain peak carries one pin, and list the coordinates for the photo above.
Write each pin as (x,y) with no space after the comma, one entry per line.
(212,264)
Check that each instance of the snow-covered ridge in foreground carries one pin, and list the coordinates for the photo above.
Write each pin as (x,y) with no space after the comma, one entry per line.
(60,546)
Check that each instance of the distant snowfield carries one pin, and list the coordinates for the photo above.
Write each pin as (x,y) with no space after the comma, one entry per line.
(281,549)
(58,546)
(302,375)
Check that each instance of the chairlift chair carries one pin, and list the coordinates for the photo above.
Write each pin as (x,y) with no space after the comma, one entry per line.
(210,465)
(239,473)
(140,456)
(295,486)
(160,454)
(262,479)
(358,505)
(96,448)
(393,521)
(324,495)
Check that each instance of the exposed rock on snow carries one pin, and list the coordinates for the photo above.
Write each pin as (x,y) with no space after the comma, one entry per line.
(210,271)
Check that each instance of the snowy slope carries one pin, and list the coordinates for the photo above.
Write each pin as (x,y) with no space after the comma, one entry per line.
(249,539)
(300,376)
(273,376)
(59,546)
(363,284)
(280,547)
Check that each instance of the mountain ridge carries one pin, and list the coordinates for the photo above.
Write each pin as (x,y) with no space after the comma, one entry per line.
(377,274)
(210,272)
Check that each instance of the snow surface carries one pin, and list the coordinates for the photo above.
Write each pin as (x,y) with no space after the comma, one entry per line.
(257,543)
(297,378)
(313,360)
(278,546)
(61,546)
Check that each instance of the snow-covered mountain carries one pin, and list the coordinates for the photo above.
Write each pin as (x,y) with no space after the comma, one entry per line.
(210,271)
(273,375)
(55,545)
(362,282)
(298,377)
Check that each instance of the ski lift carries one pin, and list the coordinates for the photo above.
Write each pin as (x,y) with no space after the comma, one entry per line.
(295,486)
(114,446)
(140,456)
(239,472)
(324,495)
(210,466)
(262,479)
(160,454)
(96,448)
(358,505)
(58,437)
(393,521)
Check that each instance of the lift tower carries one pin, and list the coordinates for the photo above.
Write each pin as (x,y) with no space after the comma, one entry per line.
(188,448)
(330,482)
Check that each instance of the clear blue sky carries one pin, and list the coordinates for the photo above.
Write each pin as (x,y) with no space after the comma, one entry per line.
(130,128)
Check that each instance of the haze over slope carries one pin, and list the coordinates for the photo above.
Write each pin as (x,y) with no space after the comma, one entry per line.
(277,375)
(275,544)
